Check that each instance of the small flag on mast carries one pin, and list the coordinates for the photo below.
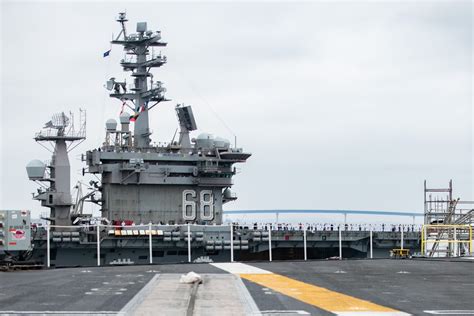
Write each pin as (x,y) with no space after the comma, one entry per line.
(138,110)
(107,53)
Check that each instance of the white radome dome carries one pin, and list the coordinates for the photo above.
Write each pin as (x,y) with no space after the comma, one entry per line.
(205,140)
(111,125)
(125,118)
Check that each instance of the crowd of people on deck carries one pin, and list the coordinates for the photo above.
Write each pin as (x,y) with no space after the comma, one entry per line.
(313,227)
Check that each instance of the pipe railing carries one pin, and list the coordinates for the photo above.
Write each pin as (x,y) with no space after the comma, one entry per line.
(150,227)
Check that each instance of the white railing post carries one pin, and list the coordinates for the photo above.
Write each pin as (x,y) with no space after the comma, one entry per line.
(304,243)
(401,239)
(150,245)
(269,243)
(98,244)
(189,243)
(48,247)
(455,244)
(371,244)
(340,243)
(231,242)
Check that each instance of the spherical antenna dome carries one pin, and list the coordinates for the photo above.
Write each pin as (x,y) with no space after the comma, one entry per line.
(125,118)
(205,140)
(111,125)
(205,136)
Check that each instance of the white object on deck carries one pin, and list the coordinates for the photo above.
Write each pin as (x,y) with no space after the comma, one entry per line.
(190,278)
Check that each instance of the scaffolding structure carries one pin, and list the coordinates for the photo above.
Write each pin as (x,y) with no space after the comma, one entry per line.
(440,240)
(447,229)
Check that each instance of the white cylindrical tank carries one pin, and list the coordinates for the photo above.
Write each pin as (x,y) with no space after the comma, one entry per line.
(35,169)
(125,118)
(125,121)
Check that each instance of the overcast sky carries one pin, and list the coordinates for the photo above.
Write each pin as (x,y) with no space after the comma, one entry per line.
(344,105)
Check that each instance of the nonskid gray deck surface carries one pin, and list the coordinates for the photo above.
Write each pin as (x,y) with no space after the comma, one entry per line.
(104,289)
(412,286)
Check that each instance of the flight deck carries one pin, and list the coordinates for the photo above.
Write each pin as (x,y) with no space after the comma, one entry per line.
(319,287)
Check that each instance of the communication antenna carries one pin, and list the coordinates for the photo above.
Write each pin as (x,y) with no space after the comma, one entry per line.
(122,18)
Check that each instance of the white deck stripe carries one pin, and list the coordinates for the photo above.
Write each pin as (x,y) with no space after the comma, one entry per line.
(239,268)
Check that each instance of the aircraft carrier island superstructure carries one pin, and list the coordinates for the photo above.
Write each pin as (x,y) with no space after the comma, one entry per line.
(186,181)
(158,203)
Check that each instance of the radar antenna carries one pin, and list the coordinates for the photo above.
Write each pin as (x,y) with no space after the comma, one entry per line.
(122,18)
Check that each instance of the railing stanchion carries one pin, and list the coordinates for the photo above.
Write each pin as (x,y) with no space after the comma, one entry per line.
(340,243)
(304,243)
(371,244)
(98,244)
(189,243)
(150,245)
(231,242)
(48,247)
(455,245)
(401,239)
(270,243)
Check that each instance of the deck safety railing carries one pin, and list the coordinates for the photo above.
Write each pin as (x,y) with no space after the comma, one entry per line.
(150,230)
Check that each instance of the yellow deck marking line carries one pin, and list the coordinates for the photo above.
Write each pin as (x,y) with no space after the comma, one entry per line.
(322,298)
(315,295)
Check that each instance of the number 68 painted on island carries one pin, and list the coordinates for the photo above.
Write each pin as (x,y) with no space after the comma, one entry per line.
(206,205)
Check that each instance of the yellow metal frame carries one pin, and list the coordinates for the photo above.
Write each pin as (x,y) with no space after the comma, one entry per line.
(400,253)
(446,226)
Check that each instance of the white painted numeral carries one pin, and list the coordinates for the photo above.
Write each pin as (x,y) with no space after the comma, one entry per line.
(207,205)
(189,206)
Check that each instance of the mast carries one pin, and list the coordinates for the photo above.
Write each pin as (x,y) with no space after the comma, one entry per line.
(60,133)
(144,93)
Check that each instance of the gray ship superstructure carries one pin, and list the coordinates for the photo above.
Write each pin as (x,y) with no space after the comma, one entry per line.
(185,181)
(159,204)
